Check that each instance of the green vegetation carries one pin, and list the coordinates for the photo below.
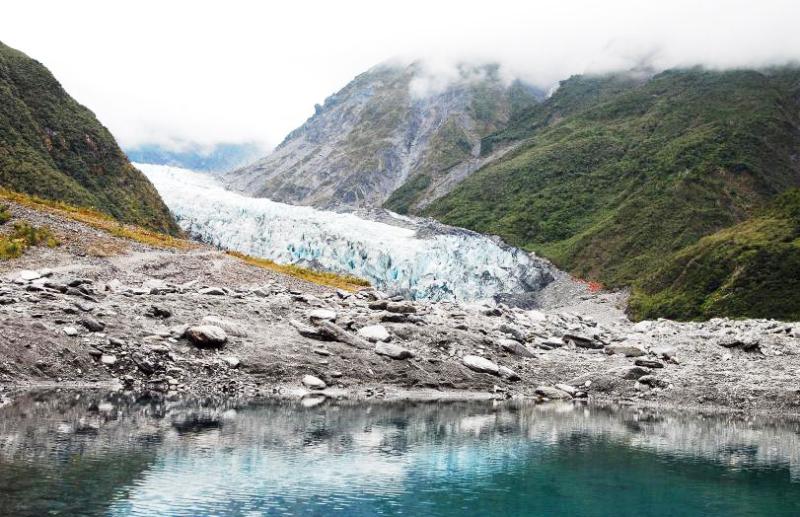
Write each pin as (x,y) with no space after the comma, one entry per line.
(54,148)
(14,243)
(751,269)
(615,175)
(404,198)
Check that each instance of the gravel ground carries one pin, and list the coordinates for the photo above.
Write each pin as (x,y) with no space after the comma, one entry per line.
(101,310)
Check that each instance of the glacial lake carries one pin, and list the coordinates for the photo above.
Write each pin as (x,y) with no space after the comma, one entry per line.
(92,453)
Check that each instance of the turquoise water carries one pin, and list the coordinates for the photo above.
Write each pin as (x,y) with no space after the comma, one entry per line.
(99,454)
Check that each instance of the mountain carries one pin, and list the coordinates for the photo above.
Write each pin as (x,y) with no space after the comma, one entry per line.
(55,148)
(750,269)
(389,136)
(221,157)
(614,175)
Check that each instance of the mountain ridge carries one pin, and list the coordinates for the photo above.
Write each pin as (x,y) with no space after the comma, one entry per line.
(53,147)
(610,176)
(376,135)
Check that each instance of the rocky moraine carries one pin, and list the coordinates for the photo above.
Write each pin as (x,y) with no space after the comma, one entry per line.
(202,321)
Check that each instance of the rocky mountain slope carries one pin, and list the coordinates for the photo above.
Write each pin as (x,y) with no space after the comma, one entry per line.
(101,309)
(387,137)
(54,148)
(611,177)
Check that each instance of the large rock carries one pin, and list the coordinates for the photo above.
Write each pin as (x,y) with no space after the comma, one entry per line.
(374,333)
(568,389)
(322,315)
(480,364)
(403,307)
(393,351)
(508,374)
(206,336)
(648,363)
(29,275)
(515,347)
(582,341)
(626,350)
(629,372)
(213,291)
(653,381)
(92,325)
(553,393)
(231,328)
(313,383)
(327,331)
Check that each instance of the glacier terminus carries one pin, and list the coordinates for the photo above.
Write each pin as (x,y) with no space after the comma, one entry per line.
(416,258)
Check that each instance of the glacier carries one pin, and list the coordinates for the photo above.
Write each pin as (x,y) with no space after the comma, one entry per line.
(416,258)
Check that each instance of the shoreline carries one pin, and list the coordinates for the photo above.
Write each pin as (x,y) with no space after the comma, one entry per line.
(381,394)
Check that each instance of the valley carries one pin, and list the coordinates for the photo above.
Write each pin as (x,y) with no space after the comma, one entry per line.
(363,259)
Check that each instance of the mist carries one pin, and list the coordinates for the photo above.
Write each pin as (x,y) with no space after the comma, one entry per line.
(237,71)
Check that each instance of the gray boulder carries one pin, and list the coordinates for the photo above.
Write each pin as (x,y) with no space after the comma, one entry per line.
(206,336)
(480,364)
(393,351)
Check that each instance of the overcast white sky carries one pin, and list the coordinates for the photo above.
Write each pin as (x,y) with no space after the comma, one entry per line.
(245,70)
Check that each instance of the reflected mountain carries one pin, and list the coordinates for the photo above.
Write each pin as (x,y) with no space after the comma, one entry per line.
(118,454)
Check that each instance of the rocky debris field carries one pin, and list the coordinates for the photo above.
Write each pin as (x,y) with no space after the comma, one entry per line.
(201,321)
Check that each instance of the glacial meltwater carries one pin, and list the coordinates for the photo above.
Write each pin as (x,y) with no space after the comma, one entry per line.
(80,453)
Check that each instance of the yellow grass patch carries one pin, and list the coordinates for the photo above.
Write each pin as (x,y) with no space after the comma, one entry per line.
(346,282)
(97,220)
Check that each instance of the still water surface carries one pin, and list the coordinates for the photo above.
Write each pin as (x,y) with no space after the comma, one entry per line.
(111,454)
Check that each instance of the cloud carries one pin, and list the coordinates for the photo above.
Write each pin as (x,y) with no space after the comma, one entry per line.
(241,71)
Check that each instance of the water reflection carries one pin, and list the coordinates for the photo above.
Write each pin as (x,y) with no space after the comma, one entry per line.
(114,454)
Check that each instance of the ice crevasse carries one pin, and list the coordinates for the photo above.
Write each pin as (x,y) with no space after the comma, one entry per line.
(418,258)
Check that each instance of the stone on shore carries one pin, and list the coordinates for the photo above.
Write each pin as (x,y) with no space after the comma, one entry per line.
(322,315)
(92,325)
(552,393)
(206,336)
(313,383)
(648,363)
(480,364)
(374,333)
(626,350)
(515,347)
(29,275)
(393,351)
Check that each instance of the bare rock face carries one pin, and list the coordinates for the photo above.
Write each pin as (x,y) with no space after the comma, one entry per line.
(383,132)
(207,336)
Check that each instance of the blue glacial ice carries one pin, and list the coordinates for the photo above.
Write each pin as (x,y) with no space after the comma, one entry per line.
(418,258)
